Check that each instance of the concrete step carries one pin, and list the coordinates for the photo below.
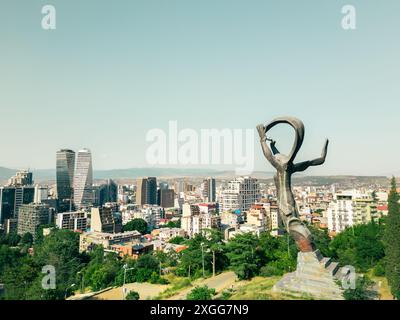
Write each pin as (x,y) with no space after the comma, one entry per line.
(333,267)
(325,262)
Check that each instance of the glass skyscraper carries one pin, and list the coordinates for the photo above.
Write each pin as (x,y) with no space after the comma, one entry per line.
(83,180)
(65,174)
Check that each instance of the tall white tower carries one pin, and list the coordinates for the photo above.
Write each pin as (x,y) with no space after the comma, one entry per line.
(83,179)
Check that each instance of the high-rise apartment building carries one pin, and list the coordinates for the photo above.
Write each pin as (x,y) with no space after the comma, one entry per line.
(240,194)
(209,190)
(146,191)
(74,221)
(83,180)
(31,217)
(65,168)
(348,209)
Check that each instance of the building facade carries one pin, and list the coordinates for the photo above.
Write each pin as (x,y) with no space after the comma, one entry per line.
(65,168)
(83,180)
(240,194)
(31,217)
(146,191)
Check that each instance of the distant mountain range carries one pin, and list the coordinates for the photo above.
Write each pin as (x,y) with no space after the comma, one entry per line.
(131,173)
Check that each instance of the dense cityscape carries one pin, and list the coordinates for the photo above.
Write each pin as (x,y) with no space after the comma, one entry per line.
(178,233)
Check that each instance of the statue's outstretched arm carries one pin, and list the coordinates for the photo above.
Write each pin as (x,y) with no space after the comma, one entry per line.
(273,147)
(266,150)
(301,166)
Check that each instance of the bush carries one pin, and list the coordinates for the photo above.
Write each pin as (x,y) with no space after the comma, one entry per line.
(132,295)
(156,279)
(201,293)
(379,269)
(270,270)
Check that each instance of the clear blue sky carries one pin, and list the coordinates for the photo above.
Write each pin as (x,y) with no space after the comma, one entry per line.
(112,70)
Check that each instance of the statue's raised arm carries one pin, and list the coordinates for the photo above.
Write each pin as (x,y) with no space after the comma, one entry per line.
(301,166)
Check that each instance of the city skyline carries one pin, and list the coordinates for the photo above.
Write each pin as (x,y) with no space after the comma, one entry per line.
(105,77)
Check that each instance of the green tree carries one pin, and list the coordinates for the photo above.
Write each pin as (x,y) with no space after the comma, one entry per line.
(59,249)
(321,239)
(360,246)
(132,295)
(139,225)
(177,240)
(172,224)
(245,255)
(201,293)
(27,239)
(392,241)
(103,270)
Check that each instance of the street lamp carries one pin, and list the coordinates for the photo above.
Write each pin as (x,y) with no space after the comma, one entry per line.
(82,281)
(202,257)
(66,290)
(125,266)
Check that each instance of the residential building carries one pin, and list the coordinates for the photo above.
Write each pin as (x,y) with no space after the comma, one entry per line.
(74,221)
(22,178)
(240,194)
(88,240)
(209,190)
(31,217)
(348,209)
(194,222)
(102,220)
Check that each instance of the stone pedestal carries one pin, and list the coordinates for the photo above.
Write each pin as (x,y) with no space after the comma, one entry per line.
(314,278)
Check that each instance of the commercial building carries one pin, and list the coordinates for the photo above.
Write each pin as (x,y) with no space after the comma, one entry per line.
(146,191)
(108,192)
(11,198)
(166,198)
(65,167)
(83,180)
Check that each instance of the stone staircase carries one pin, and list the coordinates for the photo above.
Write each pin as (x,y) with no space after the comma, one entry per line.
(316,277)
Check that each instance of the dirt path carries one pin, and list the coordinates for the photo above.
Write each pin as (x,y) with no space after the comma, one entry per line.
(219,283)
(145,290)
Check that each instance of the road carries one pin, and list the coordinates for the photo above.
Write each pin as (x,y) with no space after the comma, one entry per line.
(219,283)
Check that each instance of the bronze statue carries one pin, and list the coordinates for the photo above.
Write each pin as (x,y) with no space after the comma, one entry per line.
(285,168)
